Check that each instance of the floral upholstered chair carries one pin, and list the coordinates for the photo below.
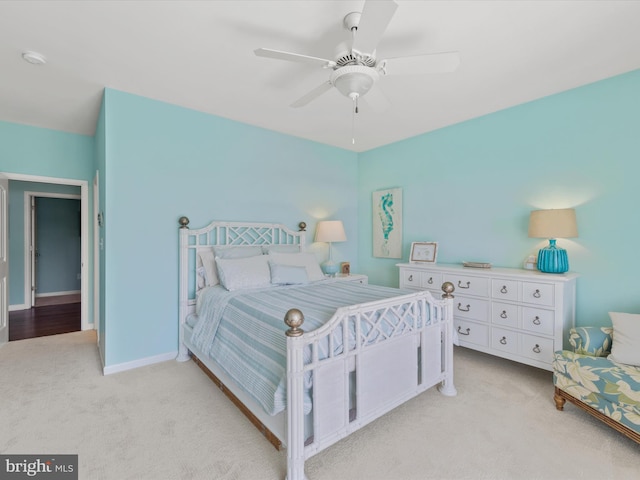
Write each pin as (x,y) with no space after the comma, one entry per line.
(592,379)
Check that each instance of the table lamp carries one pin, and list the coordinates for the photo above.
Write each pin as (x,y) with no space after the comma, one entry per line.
(330,231)
(553,224)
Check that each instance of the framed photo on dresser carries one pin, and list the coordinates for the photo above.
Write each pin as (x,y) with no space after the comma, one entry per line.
(423,252)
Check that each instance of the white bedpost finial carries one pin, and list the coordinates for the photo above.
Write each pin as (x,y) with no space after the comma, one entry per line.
(294,318)
(448,288)
(184,222)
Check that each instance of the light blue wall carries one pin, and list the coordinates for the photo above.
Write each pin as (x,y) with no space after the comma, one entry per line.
(471,186)
(48,153)
(16,231)
(43,152)
(162,162)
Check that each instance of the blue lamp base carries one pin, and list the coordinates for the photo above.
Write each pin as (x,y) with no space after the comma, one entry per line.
(330,268)
(553,259)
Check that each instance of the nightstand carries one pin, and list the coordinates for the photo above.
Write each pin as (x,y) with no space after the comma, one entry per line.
(354,277)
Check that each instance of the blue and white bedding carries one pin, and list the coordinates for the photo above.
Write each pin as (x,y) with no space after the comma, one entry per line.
(244,330)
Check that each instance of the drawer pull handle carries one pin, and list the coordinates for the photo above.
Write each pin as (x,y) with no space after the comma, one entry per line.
(503,340)
(464,309)
(503,314)
(463,333)
(536,294)
(462,286)
(503,289)
(536,349)
(411,278)
(430,281)
(536,321)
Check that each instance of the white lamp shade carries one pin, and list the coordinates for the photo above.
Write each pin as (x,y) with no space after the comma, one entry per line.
(560,223)
(330,231)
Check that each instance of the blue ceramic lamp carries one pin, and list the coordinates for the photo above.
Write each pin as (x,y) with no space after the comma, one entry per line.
(553,224)
(330,231)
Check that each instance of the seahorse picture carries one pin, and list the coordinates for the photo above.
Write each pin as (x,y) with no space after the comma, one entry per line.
(387,223)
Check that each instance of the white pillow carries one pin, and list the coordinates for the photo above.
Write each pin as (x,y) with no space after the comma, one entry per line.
(288,274)
(207,260)
(267,249)
(307,260)
(237,251)
(201,277)
(241,273)
(625,347)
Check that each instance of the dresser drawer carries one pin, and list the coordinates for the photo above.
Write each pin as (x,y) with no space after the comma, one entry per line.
(410,279)
(431,281)
(538,293)
(467,285)
(419,280)
(504,289)
(504,340)
(537,348)
(470,332)
(537,320)
(504,314)
(471,308)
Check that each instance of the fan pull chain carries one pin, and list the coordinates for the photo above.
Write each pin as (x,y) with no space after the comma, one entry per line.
(354,96)
(353,128)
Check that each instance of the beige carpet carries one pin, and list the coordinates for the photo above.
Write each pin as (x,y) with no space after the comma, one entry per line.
(168,421)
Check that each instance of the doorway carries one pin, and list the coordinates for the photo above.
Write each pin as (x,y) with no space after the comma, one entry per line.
(52,240)
(26,301)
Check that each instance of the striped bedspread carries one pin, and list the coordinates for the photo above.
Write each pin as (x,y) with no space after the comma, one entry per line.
(244,330)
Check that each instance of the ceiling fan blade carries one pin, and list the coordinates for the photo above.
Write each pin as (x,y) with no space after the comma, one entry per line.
(444,62)
(376,99)
(294,57)
(312,95)
(375,18)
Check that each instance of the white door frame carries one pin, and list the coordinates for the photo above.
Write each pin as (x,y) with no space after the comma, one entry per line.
(29,252)
(96,255)
(4,260)
(85,324)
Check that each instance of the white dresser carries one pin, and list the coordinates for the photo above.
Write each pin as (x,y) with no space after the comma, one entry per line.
(513,313)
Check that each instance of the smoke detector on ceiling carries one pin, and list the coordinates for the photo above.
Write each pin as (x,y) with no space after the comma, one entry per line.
(34,58)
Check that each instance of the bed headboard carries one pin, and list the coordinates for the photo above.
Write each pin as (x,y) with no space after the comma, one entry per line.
(223,233)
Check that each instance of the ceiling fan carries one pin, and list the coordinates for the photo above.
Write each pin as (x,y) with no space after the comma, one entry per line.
(356,69)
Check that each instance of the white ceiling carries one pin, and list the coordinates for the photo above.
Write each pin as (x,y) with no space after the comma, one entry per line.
(199,54)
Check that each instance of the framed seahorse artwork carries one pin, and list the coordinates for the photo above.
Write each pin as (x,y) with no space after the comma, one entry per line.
(387,223)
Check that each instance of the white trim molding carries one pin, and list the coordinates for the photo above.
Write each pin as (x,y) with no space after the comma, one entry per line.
(142,362)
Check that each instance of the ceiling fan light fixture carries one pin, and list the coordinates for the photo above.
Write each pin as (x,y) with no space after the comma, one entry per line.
(354,79)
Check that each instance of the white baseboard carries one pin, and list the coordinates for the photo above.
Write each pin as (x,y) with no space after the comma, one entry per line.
(121,367)
(58,294)
(13,308)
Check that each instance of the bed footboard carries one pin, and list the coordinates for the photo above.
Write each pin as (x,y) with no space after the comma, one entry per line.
(365,361)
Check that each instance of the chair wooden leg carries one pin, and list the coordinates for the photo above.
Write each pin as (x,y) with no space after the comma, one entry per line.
(560,401)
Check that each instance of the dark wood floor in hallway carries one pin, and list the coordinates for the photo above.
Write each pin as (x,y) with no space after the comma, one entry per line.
(43,321)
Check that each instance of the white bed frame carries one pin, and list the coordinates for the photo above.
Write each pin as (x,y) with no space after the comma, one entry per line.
(387,370)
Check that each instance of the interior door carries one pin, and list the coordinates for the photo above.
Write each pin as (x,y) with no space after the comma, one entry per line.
(4,260)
